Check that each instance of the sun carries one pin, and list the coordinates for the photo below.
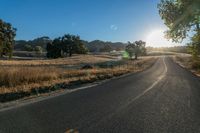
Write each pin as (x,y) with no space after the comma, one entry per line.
(156,39)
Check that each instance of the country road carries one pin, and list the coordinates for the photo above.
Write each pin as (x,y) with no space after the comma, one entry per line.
(163,99)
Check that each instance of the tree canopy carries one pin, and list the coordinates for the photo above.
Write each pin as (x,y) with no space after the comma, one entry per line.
(136,48)
(65,46)
(181,17)
(7,35)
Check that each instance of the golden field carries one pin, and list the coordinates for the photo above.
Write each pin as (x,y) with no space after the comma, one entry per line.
(74,60)
(28,76)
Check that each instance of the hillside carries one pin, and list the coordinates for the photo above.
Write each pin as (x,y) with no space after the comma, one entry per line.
(93,46)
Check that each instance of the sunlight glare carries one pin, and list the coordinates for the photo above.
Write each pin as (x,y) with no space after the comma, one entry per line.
(156,39)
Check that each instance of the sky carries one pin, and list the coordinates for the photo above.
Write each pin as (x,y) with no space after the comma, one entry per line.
(107,20)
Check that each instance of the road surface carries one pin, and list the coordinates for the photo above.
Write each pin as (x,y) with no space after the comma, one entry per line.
(162,99)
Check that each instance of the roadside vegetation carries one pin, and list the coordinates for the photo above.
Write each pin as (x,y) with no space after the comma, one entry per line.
(188,62)
(182,17)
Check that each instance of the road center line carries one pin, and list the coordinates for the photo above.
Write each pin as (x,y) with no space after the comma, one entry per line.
(150,87)
(137,97)
(154,84)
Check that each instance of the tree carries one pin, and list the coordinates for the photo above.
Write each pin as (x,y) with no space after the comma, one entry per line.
(50,50)
(28,47)
(38,50)
(181,17)
(72,44)
(137,48)
(54,48)
(7,35)
(66,46)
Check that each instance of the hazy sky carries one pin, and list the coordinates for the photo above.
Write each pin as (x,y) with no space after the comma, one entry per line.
(110,20)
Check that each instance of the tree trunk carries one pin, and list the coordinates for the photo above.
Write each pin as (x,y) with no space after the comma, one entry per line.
(136,56)
(198,37)
(70,53)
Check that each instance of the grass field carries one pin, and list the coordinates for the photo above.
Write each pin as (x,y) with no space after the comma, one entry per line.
(41,76)
(74,60)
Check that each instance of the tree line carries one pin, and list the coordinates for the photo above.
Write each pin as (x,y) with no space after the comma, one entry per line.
(38,44)
(64,46)
(104,46)
(92,46)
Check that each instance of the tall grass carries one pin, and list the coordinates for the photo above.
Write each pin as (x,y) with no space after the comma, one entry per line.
(74,60)
(20,78)
(13,76)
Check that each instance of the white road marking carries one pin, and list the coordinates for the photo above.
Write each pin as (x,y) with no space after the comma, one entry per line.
(166,69)
(137,97)
(154,84)
(21,103)
(134,99)
(149,88)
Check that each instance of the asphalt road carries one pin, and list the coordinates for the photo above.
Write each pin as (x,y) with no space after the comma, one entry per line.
(162,99)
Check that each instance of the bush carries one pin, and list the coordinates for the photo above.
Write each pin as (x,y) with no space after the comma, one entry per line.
(87,67)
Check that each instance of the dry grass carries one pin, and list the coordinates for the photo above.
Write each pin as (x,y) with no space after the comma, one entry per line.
(24,79)
(189,63)
(13,76)
(74,60)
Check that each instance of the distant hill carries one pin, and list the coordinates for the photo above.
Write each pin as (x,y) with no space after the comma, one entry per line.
(101,46)
(22,45)
(93,46)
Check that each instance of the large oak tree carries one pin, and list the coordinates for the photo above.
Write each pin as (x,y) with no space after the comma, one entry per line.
(66,46)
